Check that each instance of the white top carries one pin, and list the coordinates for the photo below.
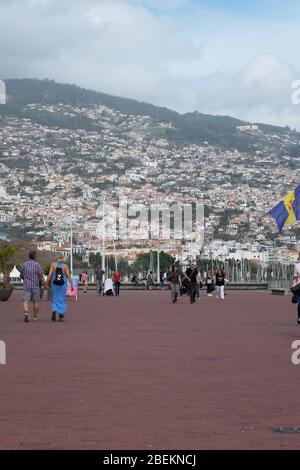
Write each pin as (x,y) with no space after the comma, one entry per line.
(297,270)
(108,285)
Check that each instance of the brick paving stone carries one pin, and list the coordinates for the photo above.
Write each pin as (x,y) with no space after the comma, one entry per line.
(136,372)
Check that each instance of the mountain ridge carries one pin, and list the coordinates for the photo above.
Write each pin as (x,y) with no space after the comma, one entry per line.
(193,127)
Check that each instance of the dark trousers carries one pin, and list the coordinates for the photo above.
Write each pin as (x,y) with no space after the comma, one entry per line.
(210,288)
(193,292)
(174,291)
(117,288)
(99,287)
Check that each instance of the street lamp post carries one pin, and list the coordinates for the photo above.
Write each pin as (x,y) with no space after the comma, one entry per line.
(103,238)
(115,255)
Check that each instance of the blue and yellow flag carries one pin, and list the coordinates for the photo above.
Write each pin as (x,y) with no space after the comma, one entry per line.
(288,209)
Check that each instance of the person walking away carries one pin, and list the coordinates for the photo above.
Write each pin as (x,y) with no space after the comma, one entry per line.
(58,275)
(210,286)
(295,282)
(220,284)
(175,283)
(117,279)
(32,275)
(99,273)
(85,280)
(191,277)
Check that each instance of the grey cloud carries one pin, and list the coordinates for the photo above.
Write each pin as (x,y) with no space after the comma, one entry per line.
(111,46)
(261,91)
(122,47)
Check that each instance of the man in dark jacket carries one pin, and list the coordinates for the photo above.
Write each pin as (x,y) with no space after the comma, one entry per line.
(191,277)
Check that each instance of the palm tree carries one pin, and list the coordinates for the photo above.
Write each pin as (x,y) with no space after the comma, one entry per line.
(6,253)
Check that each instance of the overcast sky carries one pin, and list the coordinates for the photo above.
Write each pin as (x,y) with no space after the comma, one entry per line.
(217,56)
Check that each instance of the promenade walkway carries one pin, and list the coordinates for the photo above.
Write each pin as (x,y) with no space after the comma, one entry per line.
(136,372)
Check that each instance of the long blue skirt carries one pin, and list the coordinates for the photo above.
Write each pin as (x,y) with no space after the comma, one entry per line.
(59,298)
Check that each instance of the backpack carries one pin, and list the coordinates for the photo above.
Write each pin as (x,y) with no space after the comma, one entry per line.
(58,276)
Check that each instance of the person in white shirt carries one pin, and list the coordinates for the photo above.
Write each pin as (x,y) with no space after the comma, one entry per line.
(297,269)
(108,287)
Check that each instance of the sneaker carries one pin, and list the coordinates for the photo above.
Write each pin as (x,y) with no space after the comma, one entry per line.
(26,318)
(53,318)
(61,317)
(298,321)
(35,318)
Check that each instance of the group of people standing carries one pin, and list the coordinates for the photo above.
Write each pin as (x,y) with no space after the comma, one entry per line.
(191,283)
(107,286)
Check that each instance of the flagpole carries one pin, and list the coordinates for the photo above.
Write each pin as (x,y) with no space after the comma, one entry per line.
(103,238)
(71,246)
(116,262)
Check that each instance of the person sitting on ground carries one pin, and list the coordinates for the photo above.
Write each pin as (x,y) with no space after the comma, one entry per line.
(108,287)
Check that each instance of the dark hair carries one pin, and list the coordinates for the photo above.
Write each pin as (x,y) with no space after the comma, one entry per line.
(32,255)
(174,267)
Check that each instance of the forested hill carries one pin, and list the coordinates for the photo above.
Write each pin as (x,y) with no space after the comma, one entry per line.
(189,127)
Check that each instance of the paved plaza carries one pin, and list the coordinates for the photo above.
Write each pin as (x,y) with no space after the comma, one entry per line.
(136,372)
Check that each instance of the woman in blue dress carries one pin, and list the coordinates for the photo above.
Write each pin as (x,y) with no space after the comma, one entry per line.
(58,275)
